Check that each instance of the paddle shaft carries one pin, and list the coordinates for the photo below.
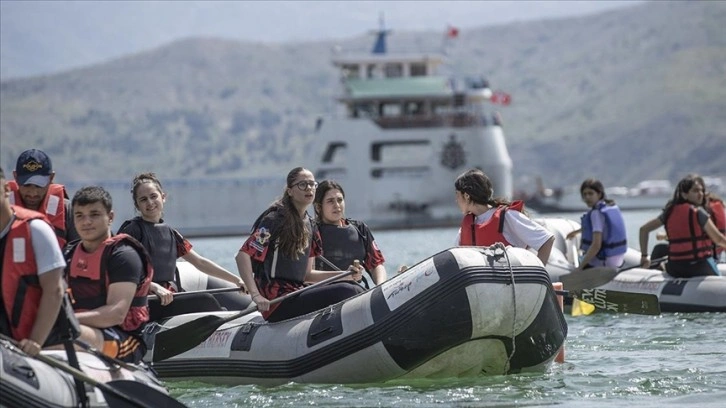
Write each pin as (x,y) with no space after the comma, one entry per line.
(87,347)
(194,292)
(105,388)
(655,261)
(182,338)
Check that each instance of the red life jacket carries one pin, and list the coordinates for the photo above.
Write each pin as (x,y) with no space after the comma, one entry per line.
(20,284)
(490,232)
(719,218)
(53,207)
(87,277)
(687,241)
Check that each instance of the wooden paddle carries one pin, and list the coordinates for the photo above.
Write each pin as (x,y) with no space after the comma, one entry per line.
(615,301)
(117,393)
(182,338)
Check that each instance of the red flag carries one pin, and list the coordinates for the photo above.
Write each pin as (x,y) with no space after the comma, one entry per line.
(452,32)
(501,98)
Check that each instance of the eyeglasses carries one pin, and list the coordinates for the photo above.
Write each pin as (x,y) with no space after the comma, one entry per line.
(304,185)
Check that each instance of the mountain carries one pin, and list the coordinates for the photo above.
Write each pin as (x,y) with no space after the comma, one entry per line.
(623,96)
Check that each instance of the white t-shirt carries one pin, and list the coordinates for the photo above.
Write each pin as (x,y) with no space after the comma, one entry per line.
(518,229)
(48,255)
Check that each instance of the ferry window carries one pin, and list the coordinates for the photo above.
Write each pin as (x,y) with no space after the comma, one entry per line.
(394,70)
(390,109)
(371,71)
(418,69)
(414,108)
(362,110)
(350,71)
(335,153)
(441,108)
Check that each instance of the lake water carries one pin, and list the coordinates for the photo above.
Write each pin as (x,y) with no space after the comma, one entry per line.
(611,360)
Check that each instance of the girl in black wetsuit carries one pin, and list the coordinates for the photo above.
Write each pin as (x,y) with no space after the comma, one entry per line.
(278,256)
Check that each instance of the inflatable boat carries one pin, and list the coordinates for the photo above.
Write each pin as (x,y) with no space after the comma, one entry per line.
(699,294)
(463,312)
(27,382)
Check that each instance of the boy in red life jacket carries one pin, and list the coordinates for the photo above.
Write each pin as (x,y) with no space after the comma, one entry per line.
(33,188)
(32,274)
(109,278)
(692,234)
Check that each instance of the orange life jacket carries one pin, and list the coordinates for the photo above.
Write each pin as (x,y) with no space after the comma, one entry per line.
(87,277)
(719,219)
(490,232)
(53,207)
(687,241)
(21,289)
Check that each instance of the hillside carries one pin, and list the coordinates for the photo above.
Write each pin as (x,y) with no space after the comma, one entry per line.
(624,95)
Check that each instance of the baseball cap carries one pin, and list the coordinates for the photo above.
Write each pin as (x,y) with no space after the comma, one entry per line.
(33,167)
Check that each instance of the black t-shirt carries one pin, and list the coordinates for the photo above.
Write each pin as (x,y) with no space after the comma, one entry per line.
(124,265)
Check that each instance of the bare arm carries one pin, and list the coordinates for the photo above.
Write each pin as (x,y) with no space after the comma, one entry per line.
(645,230)
(244,265)
(51,283)
(379,274)
(543,253)
(314,275)
(574,233)
(113,313)
(592,250)
(211,268)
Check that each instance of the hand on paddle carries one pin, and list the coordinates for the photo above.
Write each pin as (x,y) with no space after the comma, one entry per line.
(357,276)
(263,304)
(165,295)
(29,347)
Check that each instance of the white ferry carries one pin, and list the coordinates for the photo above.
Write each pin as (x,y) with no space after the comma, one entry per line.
(404,129)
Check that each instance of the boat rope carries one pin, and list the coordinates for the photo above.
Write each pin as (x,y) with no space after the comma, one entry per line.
(507,364)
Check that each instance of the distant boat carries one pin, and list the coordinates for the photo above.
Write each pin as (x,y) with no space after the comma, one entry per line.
(402,134)
(646,195)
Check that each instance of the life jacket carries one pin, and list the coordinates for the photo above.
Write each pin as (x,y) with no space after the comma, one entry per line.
(87,277)
(21,291)
(53,207)
(276,264)
(489,232)
(616,240)
(349,243)
(719,219)
(687,241)
(162,249)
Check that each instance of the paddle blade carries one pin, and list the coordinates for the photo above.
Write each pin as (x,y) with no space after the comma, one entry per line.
(588,278)
(620,302)
(151,396)
(580,308)
(177,340)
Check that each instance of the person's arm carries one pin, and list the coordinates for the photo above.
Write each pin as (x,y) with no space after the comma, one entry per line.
(244,265)
(113,313)
(314,275)
(379,274)
(644,231)
(574,233)
(51,284)
(592,250)
(213,269)
(543,253)
(716,236)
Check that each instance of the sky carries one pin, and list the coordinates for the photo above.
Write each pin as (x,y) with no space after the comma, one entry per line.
(38,37)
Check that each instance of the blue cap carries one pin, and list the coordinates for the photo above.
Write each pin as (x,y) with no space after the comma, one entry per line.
(33,167)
